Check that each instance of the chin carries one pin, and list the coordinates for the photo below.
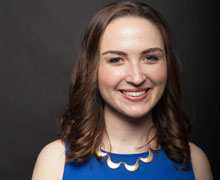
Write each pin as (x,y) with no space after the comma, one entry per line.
(137,115)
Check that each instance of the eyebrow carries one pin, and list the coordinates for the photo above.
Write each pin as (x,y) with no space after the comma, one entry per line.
(125,54)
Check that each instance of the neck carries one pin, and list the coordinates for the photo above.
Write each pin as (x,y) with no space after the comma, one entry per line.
(126,135)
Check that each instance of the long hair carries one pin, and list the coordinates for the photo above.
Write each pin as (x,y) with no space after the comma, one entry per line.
(82,125)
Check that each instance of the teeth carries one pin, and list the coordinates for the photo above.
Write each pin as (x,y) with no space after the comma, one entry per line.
(134,93)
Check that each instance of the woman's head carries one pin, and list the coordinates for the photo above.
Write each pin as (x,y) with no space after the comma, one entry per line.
(132,66)
(82,126)
(89,57)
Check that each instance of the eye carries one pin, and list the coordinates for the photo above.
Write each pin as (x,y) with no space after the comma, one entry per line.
(115,60)
(151,58)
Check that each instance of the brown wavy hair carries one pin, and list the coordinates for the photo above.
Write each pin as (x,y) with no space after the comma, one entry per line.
(82,125)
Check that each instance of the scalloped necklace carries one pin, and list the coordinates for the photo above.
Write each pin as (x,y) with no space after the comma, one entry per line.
(133,167)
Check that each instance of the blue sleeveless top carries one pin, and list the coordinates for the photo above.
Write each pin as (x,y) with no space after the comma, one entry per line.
(160,168)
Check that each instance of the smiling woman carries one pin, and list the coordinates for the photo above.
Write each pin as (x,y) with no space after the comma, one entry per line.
(137,82)
(125,118)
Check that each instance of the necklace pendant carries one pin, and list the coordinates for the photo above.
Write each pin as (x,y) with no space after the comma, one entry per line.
(128,167)
(100,153)
(111,164)
(149,158)
(132,167)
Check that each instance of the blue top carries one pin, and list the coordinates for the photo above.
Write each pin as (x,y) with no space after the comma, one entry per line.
(160,168)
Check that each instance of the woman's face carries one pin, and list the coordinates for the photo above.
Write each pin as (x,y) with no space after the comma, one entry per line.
(133,69)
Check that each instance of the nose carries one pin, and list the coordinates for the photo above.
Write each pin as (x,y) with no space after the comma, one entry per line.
(135,74)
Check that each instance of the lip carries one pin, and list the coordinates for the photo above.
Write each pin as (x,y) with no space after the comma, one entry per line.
(136,99)
(134,90)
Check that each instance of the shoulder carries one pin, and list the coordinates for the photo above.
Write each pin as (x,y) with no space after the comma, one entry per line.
(50,162)
(200,163)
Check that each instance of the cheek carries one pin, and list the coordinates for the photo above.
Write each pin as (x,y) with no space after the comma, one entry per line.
(104,81)
(108,77)
(159,75)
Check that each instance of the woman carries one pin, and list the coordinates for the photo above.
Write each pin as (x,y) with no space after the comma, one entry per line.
(124,118)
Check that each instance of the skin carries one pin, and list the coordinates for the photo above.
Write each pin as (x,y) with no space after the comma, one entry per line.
(132,57)
(133,70)
(125,120)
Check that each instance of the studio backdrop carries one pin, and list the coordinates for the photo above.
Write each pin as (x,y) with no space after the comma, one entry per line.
(38,46)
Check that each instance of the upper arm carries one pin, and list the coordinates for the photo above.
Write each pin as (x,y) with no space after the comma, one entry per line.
(50,162)
(200,163)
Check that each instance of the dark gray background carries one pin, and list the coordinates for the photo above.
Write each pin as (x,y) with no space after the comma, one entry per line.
(38,45)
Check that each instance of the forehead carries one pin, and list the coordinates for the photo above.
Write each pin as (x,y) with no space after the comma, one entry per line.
(130,32)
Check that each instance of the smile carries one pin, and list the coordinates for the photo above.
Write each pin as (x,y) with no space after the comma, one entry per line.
(135,95)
